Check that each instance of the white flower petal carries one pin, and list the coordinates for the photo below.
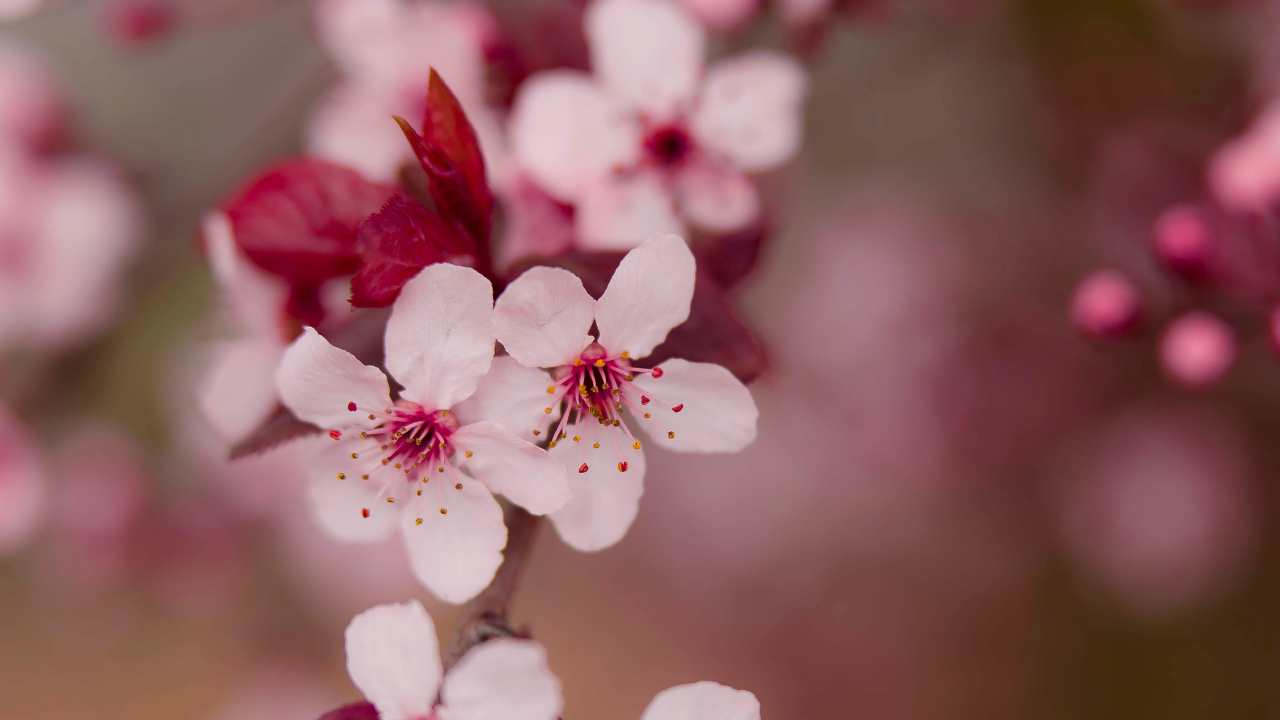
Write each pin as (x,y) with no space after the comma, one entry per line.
(319,382)
(696,407)
(604,498)
(647,53)
(751,109)
(238,391)
(352,126)
(347,494)
(703,701)
(394,658)
(503,679)
(522,472)
(623,210)
(717,198)
(457,547)
(513,396)
(567,135)
(249,292)
(543,317)
(649,294)
(439,340)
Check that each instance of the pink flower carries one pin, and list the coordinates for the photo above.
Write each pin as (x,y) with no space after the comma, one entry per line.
(1245,173)
(14,9)
(31,107)
(385,49)
(1197,349)
(651,143)
(67,231)
(415,461)
(543,318)
(393,657)
(722,14)
(22,485)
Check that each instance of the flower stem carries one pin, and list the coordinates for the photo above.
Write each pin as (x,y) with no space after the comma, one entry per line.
(488,611)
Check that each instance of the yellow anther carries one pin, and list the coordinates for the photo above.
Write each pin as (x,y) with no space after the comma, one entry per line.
(342,476)
(391,500)
(364,477)
(577,438)
(546,410)
(636,445)
(577,362)
(600,362)
(468,453)
(458,486)
(355,456)
(595,445)
(417,521)
(625,355)
(444,511)
(551,389)
(671,434)
(648,415)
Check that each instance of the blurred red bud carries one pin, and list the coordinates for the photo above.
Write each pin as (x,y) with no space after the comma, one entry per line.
(1197,349)
(1106,305)
(1184,241)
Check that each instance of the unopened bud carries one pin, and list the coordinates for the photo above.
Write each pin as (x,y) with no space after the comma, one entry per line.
(1197,349)
(1184,241)
(1106,304)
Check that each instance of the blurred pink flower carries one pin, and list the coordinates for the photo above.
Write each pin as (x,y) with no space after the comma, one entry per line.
(651,141)
(385,49)
(14,9)
(1160,508)
(68,228)
(542,319)
(439,345)
(31,107)
(537,224)
(1106,304)
(393,656)
(1197,348)
(1245,173)
(22,485)
(722,14)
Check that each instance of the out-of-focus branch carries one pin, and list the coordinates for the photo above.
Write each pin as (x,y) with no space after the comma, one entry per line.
(488,611)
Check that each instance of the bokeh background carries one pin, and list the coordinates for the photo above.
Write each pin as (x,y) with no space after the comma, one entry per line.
(958,506)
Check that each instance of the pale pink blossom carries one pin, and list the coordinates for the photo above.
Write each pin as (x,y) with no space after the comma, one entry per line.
(415,461)
(652,141)
(31,106)
(1159,509)
(14,9)
(703,701)
(1197,349)
(385,50)
(393,657)
(543,320)
(68,229)
(1245,172)
(22,484)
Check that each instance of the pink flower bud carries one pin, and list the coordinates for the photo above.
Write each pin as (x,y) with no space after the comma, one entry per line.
(1184,241)
(1106,304)
(134,23)
(1197,349)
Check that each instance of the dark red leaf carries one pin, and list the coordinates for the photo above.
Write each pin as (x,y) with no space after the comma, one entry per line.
(713,333)
(298,221)
(354,711)
(450,154)
(730,258)
(398,241)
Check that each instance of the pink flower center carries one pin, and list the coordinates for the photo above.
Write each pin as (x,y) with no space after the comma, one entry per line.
(411,437)
(668,146)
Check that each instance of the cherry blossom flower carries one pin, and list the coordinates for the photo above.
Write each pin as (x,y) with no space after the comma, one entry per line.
(393,657)
(653,142)
(385,49)
(415,461)
(68,228)
(22,485)
(32,111)
(543,319)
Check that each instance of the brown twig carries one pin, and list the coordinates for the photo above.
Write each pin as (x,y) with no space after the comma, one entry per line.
(488,611)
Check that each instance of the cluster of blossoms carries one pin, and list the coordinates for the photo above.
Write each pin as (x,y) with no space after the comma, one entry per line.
(369,306)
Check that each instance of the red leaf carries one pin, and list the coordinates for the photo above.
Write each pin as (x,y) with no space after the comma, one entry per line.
(398,241)
(449,152)
(713,333)
(354,711)
(298,221)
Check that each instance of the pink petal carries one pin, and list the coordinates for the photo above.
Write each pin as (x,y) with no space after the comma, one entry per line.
(543,317)
(394,658)
(439,340)
(750,109)
(513,396)
(604,499)
(522,472)
(648,295)
(623,210)
(319,382)
(255,298)
(455,553)
(349,495)
(239,390)
(697,407)
(22,485)
(566,134)
(14,9)
(718,198)
(703,701)
(647,53)
(722,14)
(503,679)
(352,126)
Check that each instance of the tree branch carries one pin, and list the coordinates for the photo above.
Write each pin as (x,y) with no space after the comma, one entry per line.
(488,611)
